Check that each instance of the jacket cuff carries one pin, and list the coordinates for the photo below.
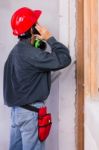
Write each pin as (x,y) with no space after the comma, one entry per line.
(51,40)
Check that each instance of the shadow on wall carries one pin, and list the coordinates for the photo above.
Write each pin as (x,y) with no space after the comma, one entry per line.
(53,107)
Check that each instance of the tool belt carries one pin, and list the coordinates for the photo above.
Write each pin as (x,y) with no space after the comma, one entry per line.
(44,121)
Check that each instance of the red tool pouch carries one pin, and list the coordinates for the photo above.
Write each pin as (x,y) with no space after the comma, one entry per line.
(44,123)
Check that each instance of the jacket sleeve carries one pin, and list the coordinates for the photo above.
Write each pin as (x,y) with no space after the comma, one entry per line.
(59,57)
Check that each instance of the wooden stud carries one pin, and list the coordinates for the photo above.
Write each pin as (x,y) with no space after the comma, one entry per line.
(80,75)
(94,46)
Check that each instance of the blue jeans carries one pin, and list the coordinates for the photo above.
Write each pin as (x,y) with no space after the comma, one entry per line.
(24,131)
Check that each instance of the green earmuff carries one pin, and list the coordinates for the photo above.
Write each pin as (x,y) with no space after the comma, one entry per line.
(37,43)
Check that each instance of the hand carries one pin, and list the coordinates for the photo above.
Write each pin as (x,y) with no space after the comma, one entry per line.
(44,33)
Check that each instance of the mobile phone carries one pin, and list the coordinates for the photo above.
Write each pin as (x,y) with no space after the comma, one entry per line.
(35,31)
(38,43)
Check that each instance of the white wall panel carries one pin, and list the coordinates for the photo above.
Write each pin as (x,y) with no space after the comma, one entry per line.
(67,89)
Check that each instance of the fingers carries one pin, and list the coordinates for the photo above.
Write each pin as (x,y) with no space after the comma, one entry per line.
(38,27)
(44,33)
(38,36)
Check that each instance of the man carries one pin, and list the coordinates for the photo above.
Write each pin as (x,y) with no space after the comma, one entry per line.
(27,76)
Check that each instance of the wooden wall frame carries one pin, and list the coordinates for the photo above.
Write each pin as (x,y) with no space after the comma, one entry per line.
(80,75)
(87,56)
(91,48)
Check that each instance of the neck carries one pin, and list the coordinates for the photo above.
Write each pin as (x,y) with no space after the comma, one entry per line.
(32,39)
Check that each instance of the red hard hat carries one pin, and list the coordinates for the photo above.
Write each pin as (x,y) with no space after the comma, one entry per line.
(23,19)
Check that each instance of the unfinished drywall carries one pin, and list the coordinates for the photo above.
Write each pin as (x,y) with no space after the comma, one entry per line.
(67,79)
(91,124)
(59,17)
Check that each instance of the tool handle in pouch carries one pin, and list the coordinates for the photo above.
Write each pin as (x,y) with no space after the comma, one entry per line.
(44,124)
